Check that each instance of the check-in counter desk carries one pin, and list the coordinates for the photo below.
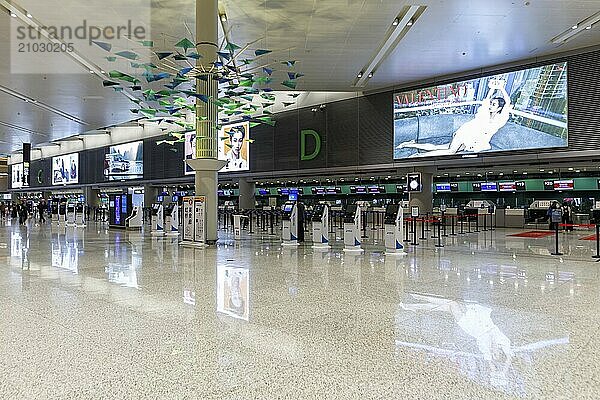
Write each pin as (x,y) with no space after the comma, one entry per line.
(514,218)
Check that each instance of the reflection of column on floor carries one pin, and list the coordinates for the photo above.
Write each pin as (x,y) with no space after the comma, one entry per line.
(289,262)
(352,269)
(321,258)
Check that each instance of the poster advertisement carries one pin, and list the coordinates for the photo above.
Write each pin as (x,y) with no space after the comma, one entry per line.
(234,147)
(65,169)
(16,173)
(519,110)
(189,150)
(233,292)
(124,162)
(188,219)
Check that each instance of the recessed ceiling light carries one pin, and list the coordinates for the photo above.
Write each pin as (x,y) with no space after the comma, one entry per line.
(360,75)
(524,172)
(370,74)
(468,173)
(12,14)
(224,17)
(541,170)
(570,168)
(574,27)
(458,176)
(91,72)
(501,173)
(396,22)
(577,170)
(515,171)
(410,23)
(29,15)
(588,27)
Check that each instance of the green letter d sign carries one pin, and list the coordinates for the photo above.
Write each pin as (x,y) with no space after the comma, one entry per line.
(303,134)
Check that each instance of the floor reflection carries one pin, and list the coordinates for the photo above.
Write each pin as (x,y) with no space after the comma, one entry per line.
(491,361)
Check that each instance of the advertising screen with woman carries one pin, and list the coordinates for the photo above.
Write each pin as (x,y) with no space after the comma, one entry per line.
(525,109)
(234,148)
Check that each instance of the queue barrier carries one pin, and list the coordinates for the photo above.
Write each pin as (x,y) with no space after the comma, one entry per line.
(556,237)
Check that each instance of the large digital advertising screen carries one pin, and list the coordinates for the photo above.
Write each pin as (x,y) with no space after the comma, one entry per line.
(233,147)
(65,169)
(519,110)
(124,161)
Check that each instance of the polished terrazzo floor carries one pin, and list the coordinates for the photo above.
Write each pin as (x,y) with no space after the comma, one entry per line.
(101,314)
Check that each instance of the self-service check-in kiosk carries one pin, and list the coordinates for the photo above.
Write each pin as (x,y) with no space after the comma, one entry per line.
(394,230)
(172,219)
(289,219)
(54,210)
(352,224)
(157,220)
(80,214)
(71,211)
(62,212)
(136,220)
(320,226)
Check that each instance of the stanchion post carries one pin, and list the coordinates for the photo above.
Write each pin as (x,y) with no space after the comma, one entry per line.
(439,234)
(454,218)
(597,256)
(556,235)
(444,226)
(414,231)
(422,230)
(406,239)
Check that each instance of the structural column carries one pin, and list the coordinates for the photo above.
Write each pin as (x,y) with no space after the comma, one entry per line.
(423,199)
(92,197)
(247,189)
(206,163)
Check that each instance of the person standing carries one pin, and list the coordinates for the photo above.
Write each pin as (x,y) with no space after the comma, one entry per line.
(23,214)
(42,210)
(566,217)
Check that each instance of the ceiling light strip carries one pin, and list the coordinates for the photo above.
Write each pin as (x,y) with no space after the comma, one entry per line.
(39,104)
(397,33)
(575,30)
(20,128)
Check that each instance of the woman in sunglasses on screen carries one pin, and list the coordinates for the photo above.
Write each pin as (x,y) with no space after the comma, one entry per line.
(475,135)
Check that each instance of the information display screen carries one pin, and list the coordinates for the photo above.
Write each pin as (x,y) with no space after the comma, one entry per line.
(65,169)
(489,187)
(443,187)
(564,185)
(525,109)
(507,186)
(400,188)
(264,192)
(124,162)
(376,189)
(476,187)
(520,186)
(318,190)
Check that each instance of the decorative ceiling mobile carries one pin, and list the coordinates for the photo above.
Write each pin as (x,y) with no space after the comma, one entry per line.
(163,90)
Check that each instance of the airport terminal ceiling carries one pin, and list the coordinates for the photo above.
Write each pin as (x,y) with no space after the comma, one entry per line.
(332,41)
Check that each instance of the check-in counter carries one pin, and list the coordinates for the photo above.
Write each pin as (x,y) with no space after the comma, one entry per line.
(500,217)
(514,218)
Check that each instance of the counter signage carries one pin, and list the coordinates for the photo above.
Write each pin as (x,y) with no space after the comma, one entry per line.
(443,187)
(507,186)
(476,187)
(564,185)
(454,187)
(489,187)
(548,185)
(400,188)
(520,185)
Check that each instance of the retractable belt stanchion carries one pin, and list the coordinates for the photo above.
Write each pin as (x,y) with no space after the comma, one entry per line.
(427,222)
(556,235)
(492,221)
(422,230)
(373,215)
(469,222)
(439,234)
(485,223)
(462,222)
(476,222)
(251,221)
(271,218)
(364,225)
(414,231)
(434,235)
(597,256)
(444,219)
(453,218)
(406,239)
